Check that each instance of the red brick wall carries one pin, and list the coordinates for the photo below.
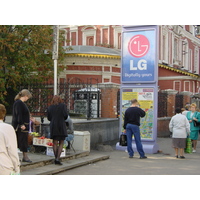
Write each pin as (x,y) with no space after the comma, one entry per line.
(116,69)
(86,77)
(107,69)
(165,84)
(109,102)
(115,79)
(170,105)
(84,68)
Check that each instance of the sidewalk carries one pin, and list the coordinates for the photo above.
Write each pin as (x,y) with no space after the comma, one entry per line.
(157,164)
(119,163)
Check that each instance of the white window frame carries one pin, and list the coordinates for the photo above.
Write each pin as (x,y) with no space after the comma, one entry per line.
(88,32)
(117,30)
(193,88)
(185,85)
(108,28)
(174,85)
(190,60)
(185,54)
(196,60)
(165,48)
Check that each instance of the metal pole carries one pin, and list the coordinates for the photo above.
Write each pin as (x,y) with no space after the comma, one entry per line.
(55,54)
(55,77)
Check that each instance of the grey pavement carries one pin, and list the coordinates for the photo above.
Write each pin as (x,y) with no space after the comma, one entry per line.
(163,163)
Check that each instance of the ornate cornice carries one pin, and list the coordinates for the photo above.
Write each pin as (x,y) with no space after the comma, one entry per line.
(178,70)
(92,55)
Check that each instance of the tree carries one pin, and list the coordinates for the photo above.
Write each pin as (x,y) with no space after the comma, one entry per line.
(26,54)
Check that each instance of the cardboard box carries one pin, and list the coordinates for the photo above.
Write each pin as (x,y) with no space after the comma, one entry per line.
(50,152)
(46,140)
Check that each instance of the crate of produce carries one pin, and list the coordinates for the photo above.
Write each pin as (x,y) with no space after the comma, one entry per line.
(42,141)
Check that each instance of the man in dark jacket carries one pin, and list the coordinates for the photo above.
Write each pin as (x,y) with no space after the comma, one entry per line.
(131,127)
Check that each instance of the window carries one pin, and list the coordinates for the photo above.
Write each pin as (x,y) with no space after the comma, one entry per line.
(187,86)
(90,41)
(105,35)
(88,33)
(117,36)
(177,85)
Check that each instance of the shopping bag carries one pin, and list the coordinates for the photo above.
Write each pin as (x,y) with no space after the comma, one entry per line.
(123,140)
(188,148)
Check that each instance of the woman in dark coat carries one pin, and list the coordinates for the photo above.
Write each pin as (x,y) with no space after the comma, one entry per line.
(57,114)
(20,121)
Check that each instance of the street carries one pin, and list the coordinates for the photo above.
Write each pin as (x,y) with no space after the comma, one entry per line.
(157,164)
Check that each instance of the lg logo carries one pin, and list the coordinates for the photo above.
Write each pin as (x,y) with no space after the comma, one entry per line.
(138,47)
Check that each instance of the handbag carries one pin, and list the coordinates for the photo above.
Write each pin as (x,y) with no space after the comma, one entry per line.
(123,140)
(196,123)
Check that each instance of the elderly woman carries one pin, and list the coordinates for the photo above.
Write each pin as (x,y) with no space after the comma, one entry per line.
(180,128)
(9,159)
(192,116)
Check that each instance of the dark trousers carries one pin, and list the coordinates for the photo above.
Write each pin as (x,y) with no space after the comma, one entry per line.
(131,130)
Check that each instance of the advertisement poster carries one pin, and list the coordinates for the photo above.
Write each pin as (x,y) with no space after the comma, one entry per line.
(145,97)
(139,56)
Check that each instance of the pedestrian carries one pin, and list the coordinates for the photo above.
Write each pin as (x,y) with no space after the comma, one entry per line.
(57,114)
(131,127)
(180,128)
(20,122)
(70,131)
(192,116)
(186,109)
(9,159)
(33,124)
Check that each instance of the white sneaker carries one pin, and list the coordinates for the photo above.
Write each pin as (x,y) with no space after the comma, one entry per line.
(193,151)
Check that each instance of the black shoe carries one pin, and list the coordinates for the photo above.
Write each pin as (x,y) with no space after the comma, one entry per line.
(143,157)
(29,161)
(130,156)
(182,157)
(176,156)
(57,162)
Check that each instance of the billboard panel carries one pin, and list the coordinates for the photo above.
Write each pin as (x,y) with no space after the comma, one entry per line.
(139,63)
(146,97)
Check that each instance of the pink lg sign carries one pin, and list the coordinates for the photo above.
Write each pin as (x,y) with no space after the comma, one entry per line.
(138,46)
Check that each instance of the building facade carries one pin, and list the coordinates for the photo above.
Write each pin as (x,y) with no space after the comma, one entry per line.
(179,58)
(96,55)
(179,55)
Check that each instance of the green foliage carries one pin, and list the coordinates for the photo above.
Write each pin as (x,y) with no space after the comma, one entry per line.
(25,54)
